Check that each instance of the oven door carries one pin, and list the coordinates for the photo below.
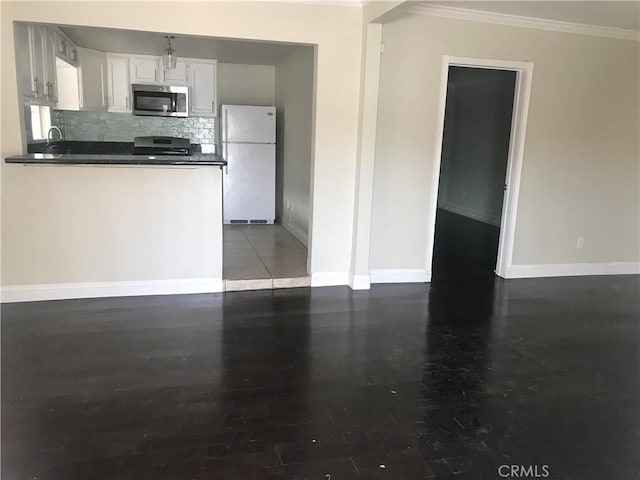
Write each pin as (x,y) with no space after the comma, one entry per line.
(160,100)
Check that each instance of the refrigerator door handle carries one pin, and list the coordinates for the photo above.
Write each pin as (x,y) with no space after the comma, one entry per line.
(226,136)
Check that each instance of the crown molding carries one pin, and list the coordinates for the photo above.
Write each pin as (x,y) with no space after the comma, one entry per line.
(526,22)
(332,3)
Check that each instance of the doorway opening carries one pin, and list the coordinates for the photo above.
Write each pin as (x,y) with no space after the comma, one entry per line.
(483,119)
(267,184)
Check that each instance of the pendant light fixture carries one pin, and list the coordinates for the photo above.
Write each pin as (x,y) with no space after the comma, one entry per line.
(170,56)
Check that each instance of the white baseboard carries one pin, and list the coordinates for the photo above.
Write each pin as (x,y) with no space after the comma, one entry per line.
(359,282)
(405,275)
(472,213)
(572,269)
(328,279)
(296,232)
(59,291)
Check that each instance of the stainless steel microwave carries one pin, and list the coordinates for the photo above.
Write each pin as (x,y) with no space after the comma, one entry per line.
(160,100)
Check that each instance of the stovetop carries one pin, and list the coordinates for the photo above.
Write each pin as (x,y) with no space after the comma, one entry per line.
(154,145)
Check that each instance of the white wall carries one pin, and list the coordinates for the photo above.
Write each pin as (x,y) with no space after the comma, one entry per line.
(240,84)
(79,224)
(580,173)
(335,121)
(294,102)
(476,142)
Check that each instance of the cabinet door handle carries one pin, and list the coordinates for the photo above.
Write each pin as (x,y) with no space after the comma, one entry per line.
(126,101)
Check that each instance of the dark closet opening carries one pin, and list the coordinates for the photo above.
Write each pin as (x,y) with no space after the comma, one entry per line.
(475,150)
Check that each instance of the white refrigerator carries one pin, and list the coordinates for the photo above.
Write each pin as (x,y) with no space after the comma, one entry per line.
(248,137)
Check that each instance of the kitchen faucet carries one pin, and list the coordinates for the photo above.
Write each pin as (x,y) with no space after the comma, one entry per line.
(49,134)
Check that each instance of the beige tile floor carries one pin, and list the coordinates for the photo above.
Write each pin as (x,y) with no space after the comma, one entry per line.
(253,252)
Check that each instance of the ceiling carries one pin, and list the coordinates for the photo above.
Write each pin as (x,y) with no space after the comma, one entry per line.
(150,43)
(616,14)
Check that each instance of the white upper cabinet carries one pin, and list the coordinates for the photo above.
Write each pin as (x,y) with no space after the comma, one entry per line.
(37,47)
(92,75)
(178,75)
(65,49)
(42,62)
(37,63)
(103,79)
(36,42)
(50,77)
(69,92)
(119,83)
(202,75)
(26,84)
(145,69)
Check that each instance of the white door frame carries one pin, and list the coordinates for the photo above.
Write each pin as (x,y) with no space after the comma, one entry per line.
(524,76)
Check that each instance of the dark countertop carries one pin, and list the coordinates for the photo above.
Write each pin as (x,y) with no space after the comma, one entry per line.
(115,159)
(101,148)
(82,147)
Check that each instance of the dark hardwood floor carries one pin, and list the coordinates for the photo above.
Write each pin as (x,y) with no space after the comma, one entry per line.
(448,380)
(463,247)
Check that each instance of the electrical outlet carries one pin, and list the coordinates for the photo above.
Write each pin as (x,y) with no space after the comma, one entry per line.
(580,242)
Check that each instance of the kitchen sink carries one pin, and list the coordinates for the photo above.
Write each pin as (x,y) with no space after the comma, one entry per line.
(57,148)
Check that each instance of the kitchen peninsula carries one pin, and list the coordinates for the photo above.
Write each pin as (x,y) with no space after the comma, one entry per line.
(112,192)
(97,225)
